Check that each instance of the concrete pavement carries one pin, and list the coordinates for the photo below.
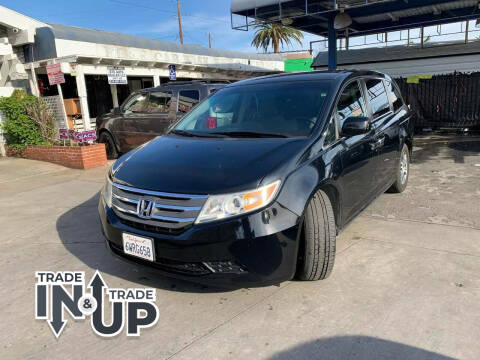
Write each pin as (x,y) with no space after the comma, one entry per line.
(405,285)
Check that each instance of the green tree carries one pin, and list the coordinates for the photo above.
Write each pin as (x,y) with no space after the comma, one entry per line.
(267,34)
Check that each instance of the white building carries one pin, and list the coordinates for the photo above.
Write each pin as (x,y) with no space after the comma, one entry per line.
(27,46)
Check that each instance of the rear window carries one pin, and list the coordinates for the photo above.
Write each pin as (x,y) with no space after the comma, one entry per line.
(378,97)
(394,95)
(159,102)
(187,99)
(282,108)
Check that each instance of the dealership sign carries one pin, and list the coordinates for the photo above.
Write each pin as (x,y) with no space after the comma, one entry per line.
(77,136)
(117,76)
(58,294)
(55,74)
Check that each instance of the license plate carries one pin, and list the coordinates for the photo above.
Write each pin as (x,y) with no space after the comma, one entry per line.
(138,246)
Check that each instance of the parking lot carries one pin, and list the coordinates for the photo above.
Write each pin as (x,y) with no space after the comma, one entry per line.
(405,285)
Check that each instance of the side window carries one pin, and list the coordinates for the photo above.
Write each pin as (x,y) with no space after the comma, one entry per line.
(351,103)
(187,99)
(378,97)
(394,95)
(135,103)
(330,134)
(159,102)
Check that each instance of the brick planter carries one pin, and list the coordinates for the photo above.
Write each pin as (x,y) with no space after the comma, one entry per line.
(77,157)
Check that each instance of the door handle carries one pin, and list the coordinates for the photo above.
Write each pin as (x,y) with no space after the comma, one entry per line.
(380,142)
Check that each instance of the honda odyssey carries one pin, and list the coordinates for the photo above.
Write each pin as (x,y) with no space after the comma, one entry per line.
(253,185)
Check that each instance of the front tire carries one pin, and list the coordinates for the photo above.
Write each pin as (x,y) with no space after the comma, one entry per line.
(317,252)
(403,171)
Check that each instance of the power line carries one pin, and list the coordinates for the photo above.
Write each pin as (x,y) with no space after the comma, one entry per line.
(141,6)
(168,12)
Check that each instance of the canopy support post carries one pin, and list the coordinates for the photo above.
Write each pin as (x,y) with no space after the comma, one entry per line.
(332,46)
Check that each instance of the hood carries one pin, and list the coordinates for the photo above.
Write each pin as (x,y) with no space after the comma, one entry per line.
(205,165)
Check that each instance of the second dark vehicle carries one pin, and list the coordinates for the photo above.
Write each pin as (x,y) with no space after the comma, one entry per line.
(253,185)
(147,113)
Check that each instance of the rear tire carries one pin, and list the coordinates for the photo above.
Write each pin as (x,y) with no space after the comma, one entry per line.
(317,255)
(403,171)
(110,147)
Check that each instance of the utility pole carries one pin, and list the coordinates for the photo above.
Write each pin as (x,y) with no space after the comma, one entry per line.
(180,33)
(209,40)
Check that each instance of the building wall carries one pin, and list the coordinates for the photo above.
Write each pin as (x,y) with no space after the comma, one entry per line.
(18,51)
(80,48)
(433,66)
(292,65)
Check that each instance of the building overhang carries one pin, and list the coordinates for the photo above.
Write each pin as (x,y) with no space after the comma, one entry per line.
(368,16)
(234,69)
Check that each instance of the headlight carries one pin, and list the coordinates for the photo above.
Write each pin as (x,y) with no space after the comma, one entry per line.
(223,206)
(107,192)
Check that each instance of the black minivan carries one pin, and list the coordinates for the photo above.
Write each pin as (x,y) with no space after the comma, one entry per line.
(253,185)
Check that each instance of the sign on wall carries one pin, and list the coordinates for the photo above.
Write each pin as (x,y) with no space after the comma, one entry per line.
(172,69)
(117,76)
(55,74)
(78,136)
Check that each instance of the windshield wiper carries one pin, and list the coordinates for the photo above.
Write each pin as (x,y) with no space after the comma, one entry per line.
(194,134)
(250,134)
(182,133)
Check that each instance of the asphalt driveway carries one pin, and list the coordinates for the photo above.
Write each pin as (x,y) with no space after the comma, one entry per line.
(406,283)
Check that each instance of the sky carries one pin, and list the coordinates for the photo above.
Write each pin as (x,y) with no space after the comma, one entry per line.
(153,19)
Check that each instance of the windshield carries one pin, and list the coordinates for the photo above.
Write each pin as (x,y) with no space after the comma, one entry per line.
(277,110)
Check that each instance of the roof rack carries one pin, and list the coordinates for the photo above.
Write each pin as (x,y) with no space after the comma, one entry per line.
(196,82)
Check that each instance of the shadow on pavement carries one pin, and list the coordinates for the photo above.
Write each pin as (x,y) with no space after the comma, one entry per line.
(358,348)
(448,147)
(80,232)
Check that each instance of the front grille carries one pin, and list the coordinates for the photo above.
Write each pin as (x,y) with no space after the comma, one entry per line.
(170,213)
(152,228)
(173,266)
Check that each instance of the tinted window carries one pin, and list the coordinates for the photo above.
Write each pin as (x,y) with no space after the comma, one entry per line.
(135,103)
(378,97)
(282,108)
(350,104)
(395,95)
(187,99)
(330,133)
(159,102)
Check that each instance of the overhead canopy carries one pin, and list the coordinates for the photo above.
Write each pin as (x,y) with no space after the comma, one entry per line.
(368,16)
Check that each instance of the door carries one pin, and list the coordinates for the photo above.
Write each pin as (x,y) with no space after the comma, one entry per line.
(386,140)
(400,115)
(159,114)
(358,177)
(125,127)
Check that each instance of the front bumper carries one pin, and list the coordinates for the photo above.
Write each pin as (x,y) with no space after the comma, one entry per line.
(252,250)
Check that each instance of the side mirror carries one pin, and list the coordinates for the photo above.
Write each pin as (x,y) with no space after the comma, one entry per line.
(117,111)
(355,125)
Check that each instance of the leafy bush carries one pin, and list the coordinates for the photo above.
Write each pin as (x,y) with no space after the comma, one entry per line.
(21,129)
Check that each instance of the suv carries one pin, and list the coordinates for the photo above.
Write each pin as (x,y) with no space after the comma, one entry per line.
(253,185)
(147,113)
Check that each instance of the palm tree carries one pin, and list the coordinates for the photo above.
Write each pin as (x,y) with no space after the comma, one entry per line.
(275,34)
